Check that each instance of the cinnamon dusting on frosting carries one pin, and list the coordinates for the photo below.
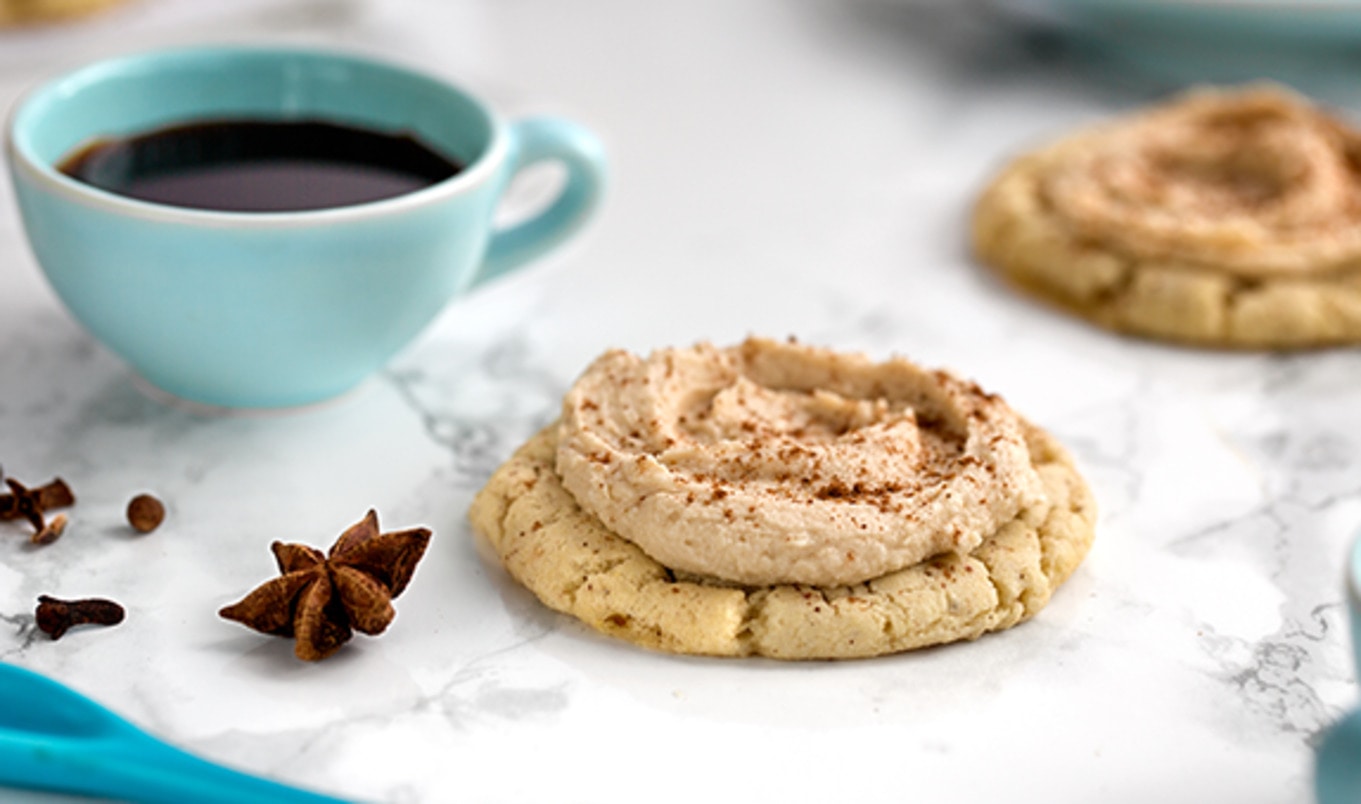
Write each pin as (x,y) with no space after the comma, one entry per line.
(1255,182)
(779,463)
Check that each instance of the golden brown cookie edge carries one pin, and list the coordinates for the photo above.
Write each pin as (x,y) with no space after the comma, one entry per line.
(616,589)
(1018,241)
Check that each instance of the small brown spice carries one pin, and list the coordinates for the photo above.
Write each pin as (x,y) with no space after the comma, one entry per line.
(322,598)
(55,616)
(145,513)
(30,504)
(51,531)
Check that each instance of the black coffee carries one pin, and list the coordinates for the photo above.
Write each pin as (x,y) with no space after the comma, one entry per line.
(260,166)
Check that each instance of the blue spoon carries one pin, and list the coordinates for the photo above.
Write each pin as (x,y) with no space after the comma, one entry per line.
(52,738)
(1337,768)
(1337,775)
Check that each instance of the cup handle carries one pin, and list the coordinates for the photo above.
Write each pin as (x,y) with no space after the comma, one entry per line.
(534,140)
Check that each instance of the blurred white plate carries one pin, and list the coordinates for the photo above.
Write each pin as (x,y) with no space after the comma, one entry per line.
(1337,21)
(1314,45)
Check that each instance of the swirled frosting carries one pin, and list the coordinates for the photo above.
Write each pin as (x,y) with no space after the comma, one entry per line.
(1255,182)
(775,462)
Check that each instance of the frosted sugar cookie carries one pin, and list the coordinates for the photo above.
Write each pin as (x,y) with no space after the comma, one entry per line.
(1224,218)
(779,500)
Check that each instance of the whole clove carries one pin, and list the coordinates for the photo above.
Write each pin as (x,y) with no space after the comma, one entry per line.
(31,503)
(145,513)
(51,531)
(55,617)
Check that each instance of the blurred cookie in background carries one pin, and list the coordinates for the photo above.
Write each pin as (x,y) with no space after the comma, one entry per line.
(30,12)
(1224,218)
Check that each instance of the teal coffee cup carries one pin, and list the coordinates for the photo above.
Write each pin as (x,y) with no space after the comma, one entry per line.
(278,309)
(1338,769)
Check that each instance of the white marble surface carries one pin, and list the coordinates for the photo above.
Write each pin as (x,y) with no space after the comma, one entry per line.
(797,167)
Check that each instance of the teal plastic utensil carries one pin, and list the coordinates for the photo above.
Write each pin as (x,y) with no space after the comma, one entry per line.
(1339,762)
(1337,768)
(53,738)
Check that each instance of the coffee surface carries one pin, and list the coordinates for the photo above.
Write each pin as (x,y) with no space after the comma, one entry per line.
(260,166)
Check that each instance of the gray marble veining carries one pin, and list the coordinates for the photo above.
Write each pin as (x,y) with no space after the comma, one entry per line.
(780,168)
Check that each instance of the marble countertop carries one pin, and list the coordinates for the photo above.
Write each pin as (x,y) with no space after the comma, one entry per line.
(780,168)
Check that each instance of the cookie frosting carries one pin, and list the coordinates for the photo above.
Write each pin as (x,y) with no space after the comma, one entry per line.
(1254,182)
(774,462)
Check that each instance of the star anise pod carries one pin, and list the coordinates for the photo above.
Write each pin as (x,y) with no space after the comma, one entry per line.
(25,503)
(321,599)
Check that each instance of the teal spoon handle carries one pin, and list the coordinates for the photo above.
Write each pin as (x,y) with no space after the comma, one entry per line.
(134,768)
(1337,772)
(54,738)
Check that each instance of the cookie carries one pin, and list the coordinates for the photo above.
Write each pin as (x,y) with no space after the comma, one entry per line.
(25,12)
(1222,219)
(577,564)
